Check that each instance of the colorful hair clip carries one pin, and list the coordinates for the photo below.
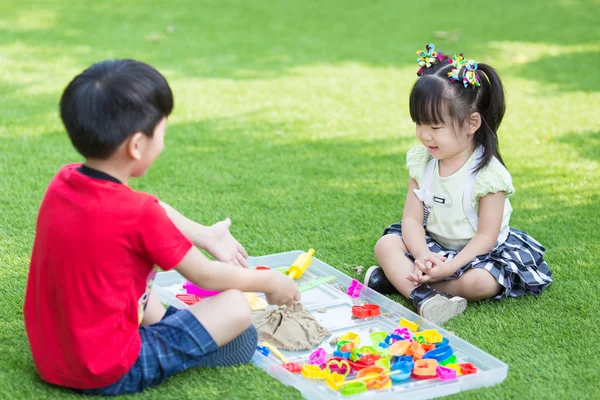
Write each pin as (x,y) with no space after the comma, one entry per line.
(428,58)
(458,61)
(469,77)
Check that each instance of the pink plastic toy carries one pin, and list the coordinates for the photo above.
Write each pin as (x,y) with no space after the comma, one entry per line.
(317,357)
(445,374)
(354,289)
(193,289)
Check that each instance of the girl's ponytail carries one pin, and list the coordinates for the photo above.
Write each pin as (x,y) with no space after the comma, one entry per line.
(491,106)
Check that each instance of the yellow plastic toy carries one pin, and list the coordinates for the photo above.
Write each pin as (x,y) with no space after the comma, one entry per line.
(255,302)
(276,352)
(408,324)
(335,381)
(300,264)
(310,371)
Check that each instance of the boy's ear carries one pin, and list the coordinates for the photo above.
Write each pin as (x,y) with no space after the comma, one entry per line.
(474,122)
(135,145)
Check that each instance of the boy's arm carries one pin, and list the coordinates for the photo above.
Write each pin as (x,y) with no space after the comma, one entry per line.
(215,275)
(215,239)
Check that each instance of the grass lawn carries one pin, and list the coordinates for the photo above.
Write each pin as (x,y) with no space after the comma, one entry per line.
(292,118)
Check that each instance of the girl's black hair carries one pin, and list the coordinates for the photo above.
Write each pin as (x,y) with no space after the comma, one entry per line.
(434,95)
(112,100)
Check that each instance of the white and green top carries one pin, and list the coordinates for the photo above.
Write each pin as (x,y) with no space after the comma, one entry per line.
(452,202)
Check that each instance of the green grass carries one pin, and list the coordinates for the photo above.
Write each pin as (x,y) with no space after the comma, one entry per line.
(292,119)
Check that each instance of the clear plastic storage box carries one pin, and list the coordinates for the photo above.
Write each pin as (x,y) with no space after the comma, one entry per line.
(332,308)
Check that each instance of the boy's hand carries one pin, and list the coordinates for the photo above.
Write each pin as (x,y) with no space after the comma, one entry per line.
(284,290)
(223,246)
(438,271)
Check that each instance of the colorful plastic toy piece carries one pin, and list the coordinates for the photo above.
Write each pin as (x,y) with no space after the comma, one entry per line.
(383,363)
(343,354)
(450,360)
(263,268)
(317,357)
(352,337)
(353,388)
(314,372)
(338,366)
(399,348)
(425,369)
(300,265)
(335,381)
(455,367)
(428,346)
(342,342)
(377,337)
(367,350)
(403,368)
(354,289)
(276,352)
(445,374)
(439,353)
(188,298)
(415,350)
(193,289)
(383,345)
(408,324)
(400,376)
(374,377)
(359,365)
(264,350)
(365,311)
(370,359)
(432,336)
(293,367)
(467,368)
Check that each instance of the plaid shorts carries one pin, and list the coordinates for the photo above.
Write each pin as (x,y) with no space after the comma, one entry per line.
(176,343)
(517,264)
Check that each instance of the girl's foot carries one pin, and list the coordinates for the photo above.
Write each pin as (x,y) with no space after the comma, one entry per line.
(438,307)
(376,280)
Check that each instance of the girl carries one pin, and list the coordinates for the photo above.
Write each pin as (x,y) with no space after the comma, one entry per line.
(454,243)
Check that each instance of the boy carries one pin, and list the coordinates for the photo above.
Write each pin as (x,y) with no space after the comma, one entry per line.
(91,319)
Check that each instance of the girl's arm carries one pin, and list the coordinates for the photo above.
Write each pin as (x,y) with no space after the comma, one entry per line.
(491,212)
(413,233)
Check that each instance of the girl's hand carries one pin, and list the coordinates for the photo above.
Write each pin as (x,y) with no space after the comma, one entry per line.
(426,259)
(438,271)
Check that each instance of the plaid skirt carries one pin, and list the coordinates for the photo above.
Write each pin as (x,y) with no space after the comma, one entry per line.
(518,263)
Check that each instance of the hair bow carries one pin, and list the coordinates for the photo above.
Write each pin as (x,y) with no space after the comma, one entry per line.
(428,58)
(469,77)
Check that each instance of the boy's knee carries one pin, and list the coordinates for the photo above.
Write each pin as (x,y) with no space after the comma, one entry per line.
(239,308)
(388,243)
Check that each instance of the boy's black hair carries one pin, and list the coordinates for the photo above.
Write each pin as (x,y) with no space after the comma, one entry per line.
(435,95)
(110,101)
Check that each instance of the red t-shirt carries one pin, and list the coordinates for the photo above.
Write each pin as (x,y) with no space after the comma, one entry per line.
(96,244)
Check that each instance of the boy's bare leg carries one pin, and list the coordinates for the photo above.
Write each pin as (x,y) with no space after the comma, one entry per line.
(154,310)
(225,316)
(475,284)
(389,252)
